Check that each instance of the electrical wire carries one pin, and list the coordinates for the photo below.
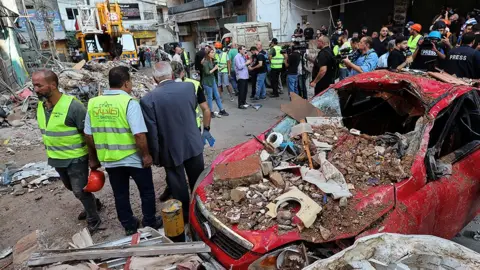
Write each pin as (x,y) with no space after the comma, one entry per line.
(325,8)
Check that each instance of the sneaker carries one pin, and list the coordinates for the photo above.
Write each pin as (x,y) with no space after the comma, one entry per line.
(242,107)
(274,96)
(232,98)
(218,115)
(256,98)
(166,195)
(83,214)
(263,98)
(93,226)
(280,92)
(223,113)
(212,114)
(132,230)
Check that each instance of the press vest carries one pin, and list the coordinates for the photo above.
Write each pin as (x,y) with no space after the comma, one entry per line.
(222,62)
(412,42)
(426,58)
(110,129)
(461,62)
(197,110)
(61,141)
(277,60)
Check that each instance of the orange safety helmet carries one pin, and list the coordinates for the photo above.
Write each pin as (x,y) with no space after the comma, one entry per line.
(96,180)
(218,45)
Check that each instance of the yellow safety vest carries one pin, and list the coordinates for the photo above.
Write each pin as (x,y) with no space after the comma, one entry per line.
(336,51)
(187,61)
(197,110)
(277,60)
(222,62)
(412,42)
(61,141)
(110,129)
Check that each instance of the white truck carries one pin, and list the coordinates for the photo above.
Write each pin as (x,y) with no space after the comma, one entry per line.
(248,33)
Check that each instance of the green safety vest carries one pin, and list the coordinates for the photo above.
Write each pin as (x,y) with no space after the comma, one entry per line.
(187,61)
(61,141)
(336,51)
(277,60)
(110,129)
(197,110)
(222,62)
(412,42)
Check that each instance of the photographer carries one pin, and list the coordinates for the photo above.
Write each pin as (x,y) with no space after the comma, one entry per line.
(292,61)
(323,72)
(427,54)
(464,61)
(397,58)
(342,50)
(367,61)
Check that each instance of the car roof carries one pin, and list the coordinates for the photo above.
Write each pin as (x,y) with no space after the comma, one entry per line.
(428,90)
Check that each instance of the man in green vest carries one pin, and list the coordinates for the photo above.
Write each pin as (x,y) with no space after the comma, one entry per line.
(224,69)
(186,62)
(61,121)
(415,36)
(179,75)
(342,45)
(276,64)
(115,134)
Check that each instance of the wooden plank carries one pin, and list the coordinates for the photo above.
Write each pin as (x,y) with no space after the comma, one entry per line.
(64,255)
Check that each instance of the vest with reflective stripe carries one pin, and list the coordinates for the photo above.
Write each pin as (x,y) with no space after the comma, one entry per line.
(187,61)
(197,110)
(277,60)
(222,62)
(412,42)
(61,141)
(110,129)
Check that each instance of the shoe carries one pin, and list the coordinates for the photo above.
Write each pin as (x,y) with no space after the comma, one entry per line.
(166,195)
(280,92)
(263,98)
(236,94)
(218,115)
(213,115)
(157,225)
(232,98)
(223,113)
(93,226)
(242,107)
(83,214)
(274,96)
(251,97)
(132,230)
(256,98)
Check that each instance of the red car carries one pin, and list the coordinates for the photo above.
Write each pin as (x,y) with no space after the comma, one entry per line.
(440,197)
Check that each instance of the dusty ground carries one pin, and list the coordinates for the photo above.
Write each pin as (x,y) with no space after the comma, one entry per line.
(57,209)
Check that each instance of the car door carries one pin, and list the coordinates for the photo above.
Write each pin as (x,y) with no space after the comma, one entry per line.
(451,161)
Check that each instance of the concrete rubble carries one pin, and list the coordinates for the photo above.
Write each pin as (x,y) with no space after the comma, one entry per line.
(295,197)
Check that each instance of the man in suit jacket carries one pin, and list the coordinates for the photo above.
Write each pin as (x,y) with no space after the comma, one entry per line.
(173,136)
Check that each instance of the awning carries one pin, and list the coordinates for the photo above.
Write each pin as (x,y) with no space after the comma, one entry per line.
(199,14)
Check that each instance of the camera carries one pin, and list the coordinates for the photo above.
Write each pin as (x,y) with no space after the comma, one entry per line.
(408,52)
(300,46)
(347,53)
(430,41)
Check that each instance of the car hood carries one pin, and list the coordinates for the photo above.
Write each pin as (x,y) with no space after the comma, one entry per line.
(381,199)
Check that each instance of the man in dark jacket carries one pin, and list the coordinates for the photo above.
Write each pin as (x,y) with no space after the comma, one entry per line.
(173,136)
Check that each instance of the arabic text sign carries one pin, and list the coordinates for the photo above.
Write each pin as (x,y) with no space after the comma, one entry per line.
(130,11)
(37,21)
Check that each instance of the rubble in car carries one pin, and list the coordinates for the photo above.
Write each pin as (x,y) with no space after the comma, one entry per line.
(345,161)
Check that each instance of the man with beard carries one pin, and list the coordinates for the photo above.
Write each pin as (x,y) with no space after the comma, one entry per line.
(61,121)
(380,43)
(397,59)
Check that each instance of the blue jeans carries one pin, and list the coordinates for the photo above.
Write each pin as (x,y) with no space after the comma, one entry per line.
(233,81)
(261,91)
(210,92)
(292,83)
(343,73)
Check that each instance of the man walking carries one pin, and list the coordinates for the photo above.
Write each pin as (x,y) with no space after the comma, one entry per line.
(276,60)
(115,134)
(64,141)
(224,68)
(260,69)
(174,138)
(241,69)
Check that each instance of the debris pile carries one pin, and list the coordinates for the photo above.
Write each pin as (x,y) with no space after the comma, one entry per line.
(256,193)
(18,181)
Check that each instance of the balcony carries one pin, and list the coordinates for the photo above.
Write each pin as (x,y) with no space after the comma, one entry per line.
(194,5)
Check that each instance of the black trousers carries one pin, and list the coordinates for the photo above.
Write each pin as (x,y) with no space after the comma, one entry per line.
(177,182)
(242,92)
(302,88)
(120,182)
(274,76)
(74,178)
(254,84)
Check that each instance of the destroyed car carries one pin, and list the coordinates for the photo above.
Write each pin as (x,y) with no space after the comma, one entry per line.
(406,147)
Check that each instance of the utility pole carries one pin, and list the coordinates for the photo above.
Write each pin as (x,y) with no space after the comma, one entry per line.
(48,16)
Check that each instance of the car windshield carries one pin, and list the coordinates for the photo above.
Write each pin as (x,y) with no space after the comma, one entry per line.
(128,42)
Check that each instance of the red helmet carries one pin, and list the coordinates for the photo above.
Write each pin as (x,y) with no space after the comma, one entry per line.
(96,180)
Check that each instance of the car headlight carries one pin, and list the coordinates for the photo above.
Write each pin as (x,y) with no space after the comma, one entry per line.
(290,257)
(202,176)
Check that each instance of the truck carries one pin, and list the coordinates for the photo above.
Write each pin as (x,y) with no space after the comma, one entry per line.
(248,33)
(102,36)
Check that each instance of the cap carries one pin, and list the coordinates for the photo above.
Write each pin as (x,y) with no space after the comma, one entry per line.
(410,23)
(435,34)
(439,25)
(274,40)
(417,27)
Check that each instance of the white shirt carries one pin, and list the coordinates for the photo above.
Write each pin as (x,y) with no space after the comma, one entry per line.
(177,58)
(383,60)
